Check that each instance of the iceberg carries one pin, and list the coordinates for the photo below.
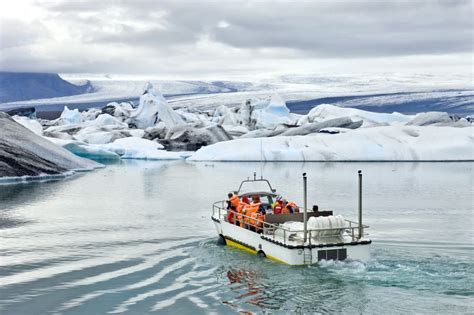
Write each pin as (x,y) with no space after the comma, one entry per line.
(69,117)
(326,111)
(115,109)
(24,153)
(385,143)
(153,108)
(259,114)
(124,148)
(273,114)
(309,128)
(105,120)
(191,137)
(430,118)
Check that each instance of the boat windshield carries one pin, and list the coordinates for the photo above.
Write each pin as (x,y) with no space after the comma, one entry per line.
(261,185)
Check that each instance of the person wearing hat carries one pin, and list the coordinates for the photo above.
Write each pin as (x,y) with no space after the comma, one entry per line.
(278,207)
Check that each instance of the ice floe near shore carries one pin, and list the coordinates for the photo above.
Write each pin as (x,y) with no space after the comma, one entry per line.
(258,129)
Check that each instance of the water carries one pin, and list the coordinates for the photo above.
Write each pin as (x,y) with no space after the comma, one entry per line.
(136,237)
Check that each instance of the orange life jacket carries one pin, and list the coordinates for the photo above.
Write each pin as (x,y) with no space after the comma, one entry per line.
(286,209)
(253,218)
(261,219)
(234,201)
(249,211)
(240,210)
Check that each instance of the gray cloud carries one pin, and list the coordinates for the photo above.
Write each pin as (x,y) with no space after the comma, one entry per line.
(169,31)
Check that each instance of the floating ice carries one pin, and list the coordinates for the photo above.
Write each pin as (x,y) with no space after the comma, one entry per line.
(387,143)
(69,117)
(326,111)
(430,118)
(153,108)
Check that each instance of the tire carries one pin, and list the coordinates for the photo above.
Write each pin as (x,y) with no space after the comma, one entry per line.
(261,254)
(221,241)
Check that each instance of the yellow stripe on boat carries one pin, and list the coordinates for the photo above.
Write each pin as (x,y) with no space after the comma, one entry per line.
(240,246)
(276,260)
(251,251)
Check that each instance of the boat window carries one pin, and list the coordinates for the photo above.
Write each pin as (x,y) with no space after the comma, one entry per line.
(247,187)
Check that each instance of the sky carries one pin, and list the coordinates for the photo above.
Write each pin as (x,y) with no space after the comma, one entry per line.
(225,39)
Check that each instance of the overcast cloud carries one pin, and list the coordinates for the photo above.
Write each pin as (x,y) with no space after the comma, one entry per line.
(225,38)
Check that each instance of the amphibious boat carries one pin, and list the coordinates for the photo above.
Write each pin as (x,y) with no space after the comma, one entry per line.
(300,238)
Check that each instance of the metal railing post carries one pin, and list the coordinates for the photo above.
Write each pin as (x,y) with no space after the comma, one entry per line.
(305,219)
(361,231)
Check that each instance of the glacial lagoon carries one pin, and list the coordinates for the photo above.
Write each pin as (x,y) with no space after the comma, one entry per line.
(136,237)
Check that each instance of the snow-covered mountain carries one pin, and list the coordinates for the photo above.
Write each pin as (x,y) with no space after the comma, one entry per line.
(30,86)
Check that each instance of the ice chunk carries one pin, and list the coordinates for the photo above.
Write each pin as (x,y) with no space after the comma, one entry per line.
(191,137)
(122,110)
(430,118)
(153,108)
(138,148)
(326,111)
(224,115)
(270,112)
(105,120)
(69,117)
(308,128)
(31,124)
(91,114)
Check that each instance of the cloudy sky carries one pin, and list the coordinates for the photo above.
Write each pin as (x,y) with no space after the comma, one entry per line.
(197,39)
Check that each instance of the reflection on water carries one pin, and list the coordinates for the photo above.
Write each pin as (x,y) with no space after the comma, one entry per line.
(136,237)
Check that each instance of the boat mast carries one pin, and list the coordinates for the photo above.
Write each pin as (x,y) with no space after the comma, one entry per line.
(305,220)
(361,231)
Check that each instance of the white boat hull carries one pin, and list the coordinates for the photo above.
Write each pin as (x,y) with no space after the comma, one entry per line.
(255,243)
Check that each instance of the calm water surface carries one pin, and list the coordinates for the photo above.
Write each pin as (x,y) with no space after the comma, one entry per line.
(136,237)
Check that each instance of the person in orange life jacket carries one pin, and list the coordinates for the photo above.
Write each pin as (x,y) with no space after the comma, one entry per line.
(240,210)
(256,214)
(278,205)
(293,207)
(289,207)
(232,205)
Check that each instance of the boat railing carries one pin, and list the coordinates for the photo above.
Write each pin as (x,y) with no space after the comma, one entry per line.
(220,212)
